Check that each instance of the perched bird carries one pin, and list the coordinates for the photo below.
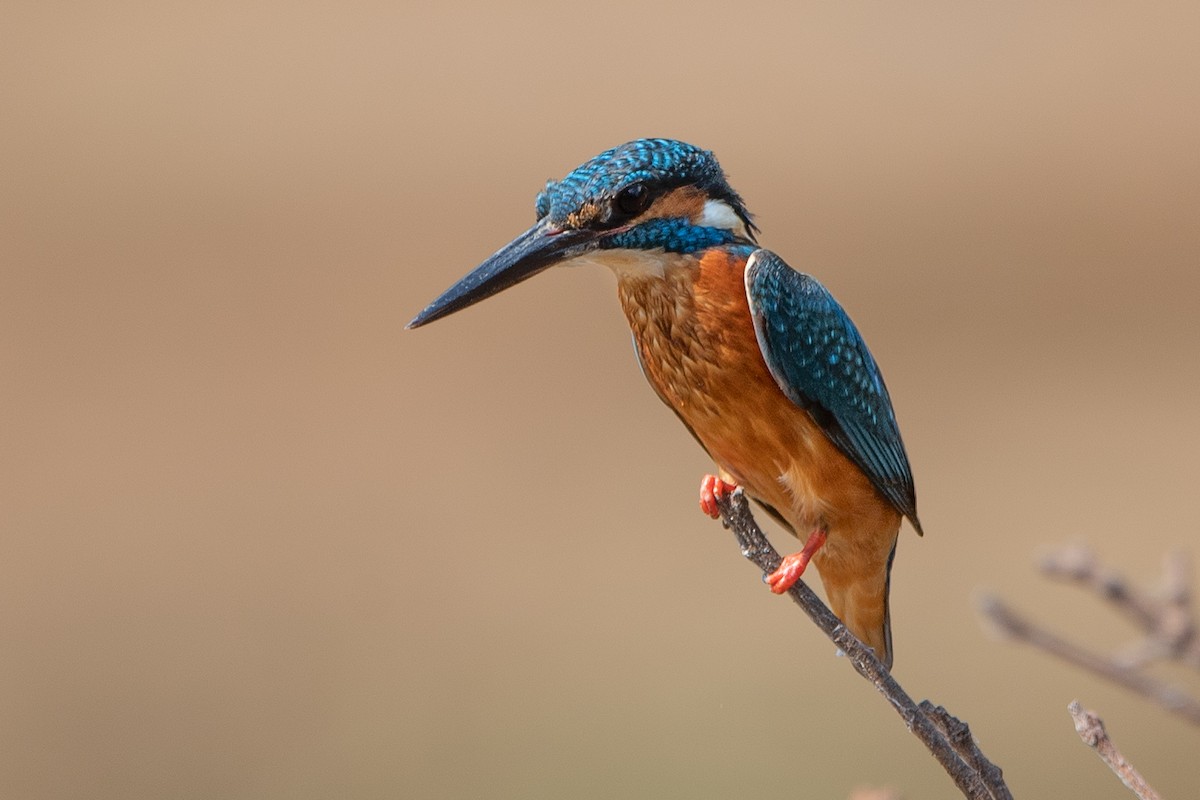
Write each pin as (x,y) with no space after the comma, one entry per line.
(758,360)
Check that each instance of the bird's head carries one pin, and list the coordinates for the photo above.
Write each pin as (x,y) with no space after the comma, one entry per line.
(626,207)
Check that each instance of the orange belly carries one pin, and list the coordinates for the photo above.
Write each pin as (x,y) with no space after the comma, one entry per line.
(696,340)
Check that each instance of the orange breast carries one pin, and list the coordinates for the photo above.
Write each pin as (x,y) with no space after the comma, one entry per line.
(696,339)
(698,348)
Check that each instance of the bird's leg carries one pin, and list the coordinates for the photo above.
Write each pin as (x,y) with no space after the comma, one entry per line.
(713,489)
(792,566)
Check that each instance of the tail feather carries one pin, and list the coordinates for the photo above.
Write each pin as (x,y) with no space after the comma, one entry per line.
(862,604)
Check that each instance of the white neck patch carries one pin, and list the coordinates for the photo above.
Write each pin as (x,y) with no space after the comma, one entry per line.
(719,214)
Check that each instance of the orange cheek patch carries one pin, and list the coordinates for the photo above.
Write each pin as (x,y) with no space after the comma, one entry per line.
(685,202)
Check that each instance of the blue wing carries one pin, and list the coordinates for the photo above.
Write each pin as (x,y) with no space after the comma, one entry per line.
(822,364)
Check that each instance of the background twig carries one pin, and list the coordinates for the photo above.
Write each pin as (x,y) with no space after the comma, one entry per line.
(1091,729)
(975,776)
(1164,614)
(1019,628)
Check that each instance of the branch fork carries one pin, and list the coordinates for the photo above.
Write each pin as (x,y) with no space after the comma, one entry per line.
(1164,614)
(947,738)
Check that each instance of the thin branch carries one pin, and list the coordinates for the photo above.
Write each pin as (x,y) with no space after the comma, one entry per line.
(958,733)
(1166,617)
(1091,729)
(967,776)
(1079,564)
(1164,613)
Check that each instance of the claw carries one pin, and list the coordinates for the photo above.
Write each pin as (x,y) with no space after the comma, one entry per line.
(793,566)
(713,489)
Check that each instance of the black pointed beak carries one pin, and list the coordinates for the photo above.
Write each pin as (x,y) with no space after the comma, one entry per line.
(535,250)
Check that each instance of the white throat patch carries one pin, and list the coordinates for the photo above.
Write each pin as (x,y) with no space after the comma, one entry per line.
(632,263)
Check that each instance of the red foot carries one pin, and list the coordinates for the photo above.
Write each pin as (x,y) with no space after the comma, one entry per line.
(793,566)
(713,489)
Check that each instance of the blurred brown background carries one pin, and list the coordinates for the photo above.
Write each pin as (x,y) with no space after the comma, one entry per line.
(261,542)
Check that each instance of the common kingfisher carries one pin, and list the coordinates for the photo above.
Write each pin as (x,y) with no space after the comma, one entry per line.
(759,361)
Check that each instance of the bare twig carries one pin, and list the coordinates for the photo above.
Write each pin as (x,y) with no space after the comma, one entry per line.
(958,733)
(1079,564)
(963,770)
(1165,615)
(1091,729)
(1015,626)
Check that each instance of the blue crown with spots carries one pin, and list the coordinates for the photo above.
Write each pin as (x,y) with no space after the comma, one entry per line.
(663,163)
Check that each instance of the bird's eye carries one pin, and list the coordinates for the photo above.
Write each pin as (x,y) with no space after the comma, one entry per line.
(633,199)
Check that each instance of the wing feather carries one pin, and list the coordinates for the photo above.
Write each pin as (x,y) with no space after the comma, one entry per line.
(820,361)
